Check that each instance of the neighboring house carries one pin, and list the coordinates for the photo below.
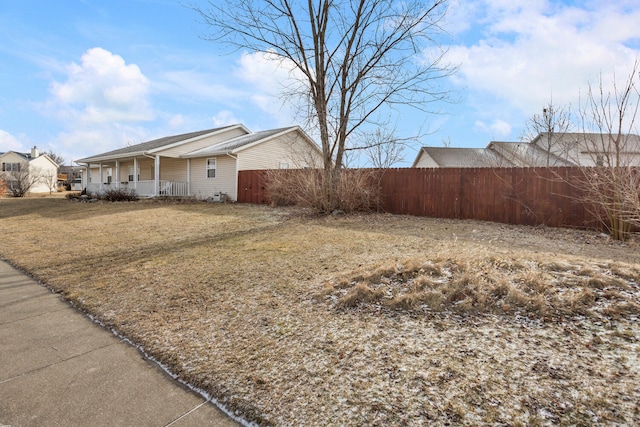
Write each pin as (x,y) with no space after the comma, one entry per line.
(592,149)
(70,177)
(567,149)
(202,164)
(523,154)
(453,157)
(28,172)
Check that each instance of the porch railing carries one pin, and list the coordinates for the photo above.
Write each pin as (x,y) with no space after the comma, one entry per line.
(174,189)
(146,188)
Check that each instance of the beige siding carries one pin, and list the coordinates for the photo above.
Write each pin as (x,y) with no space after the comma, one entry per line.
(202,143)
(11,158)
(173,169)
(290,148)
(43,169)
(225,180)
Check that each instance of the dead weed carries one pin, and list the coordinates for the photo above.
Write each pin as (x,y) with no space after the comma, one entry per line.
(543,290)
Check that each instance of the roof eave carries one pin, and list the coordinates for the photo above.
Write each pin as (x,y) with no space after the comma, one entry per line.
(112,157)
(211,154)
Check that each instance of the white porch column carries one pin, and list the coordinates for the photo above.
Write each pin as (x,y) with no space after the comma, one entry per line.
(117,173)
(188,177)
(135,174)
(86,177)
(101,179)
(156,183)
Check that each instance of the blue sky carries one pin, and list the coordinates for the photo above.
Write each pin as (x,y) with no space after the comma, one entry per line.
(85,76)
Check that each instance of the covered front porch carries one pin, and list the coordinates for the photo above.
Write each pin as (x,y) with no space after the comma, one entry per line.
(142,176)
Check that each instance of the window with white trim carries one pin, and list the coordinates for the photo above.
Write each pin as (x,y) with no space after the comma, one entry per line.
(211,168)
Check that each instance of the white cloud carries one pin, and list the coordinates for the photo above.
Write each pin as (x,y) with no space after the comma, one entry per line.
(532,50)
(102,89)
(78,142)
(497,128)
(224,118)
(10,143)
(272,82)
(176,121)
(99,105)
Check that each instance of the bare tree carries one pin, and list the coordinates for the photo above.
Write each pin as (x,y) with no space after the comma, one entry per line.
(547,131)
(611,183)
(50,179)
(358,60)
(57,158)
(383,149)
(19,182)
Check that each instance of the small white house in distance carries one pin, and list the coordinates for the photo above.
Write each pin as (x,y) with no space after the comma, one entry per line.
(201,164)
(28,172)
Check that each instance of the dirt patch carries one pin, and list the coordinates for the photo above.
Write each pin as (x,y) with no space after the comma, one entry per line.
(355,320)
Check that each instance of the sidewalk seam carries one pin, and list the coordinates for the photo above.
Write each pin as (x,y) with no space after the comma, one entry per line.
(58,362)
(188,412)
(32,317)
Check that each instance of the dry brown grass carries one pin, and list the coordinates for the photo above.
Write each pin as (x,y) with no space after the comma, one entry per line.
(356,320)
(537,289)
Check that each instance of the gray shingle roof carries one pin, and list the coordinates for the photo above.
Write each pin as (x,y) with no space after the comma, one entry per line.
(235,143)
(152,145)
(454,157)
(588,142)
(524,154)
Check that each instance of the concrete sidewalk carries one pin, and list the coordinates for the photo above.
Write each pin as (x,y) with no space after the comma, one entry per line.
(59,368)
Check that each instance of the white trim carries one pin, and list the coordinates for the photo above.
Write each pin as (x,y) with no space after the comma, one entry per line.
(156,176)
(189,176)
(117,174)
(135,173)
(101,183)
(207,168)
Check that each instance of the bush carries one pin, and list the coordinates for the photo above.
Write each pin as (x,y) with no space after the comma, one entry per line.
(3,188)
(358,190)
(118,195)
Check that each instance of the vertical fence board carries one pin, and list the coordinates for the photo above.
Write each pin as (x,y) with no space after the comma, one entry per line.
(528,196)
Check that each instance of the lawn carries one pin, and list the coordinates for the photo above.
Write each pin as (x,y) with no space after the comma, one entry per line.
(290,319)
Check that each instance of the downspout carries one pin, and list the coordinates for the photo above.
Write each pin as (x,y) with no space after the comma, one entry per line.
(235,184)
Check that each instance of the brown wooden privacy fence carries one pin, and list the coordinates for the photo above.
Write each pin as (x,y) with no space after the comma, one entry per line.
(529,196)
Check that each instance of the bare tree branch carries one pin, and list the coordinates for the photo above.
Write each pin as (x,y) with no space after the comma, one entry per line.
(612,182)
(358,60)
